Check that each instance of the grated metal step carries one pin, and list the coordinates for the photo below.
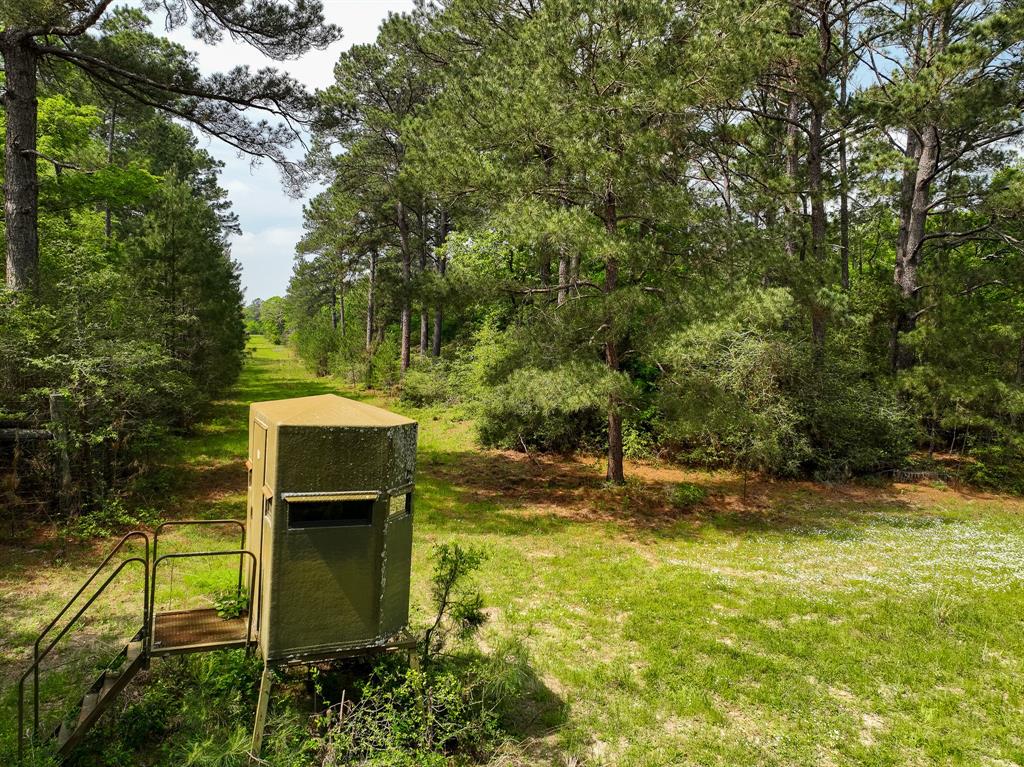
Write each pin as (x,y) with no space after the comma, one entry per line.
(64,735)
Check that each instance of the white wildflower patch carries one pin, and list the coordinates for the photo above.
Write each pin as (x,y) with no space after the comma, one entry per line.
(888,551)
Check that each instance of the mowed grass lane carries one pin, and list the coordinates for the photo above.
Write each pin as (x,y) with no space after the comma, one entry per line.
(791,624)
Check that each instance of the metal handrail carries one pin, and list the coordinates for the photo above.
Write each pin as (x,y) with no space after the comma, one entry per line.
(35,646)
(148,604)
(127,536)
(182,523)
(34,668)
(187,554)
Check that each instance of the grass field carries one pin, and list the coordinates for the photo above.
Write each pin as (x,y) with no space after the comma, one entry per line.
(773,624)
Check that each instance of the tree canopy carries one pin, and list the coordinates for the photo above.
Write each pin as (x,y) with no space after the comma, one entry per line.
(124,306)
(783,237)
(113,52)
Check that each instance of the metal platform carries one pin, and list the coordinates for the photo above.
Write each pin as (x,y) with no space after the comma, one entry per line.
(162,633)
(184,631)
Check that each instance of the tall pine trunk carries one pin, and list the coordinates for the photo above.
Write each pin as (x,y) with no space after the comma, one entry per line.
(442,268)
(424,309)
(370,299)
(844,214)
(341,307)
(844,174)
(819,105)
(915,198)
(435,339)
(563,276)
(406,321)
(792,204)
(21,185)
(819,224)
(403,232)
(616,471)
(424,330)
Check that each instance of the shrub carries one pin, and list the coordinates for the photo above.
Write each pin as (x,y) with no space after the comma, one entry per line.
(403,716)
(997,467)
(458,607)
(230,603)
(637,441)
(686,495)
(317,343)
(454,705)
(743,391)
(110,518)
(853,425)
(558,410)
(426,385)
(381,369)
(728,401)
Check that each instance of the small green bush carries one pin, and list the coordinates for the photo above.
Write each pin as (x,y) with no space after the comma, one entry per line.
(317,343)
(686,495)
(380,369)
(426,385)
(458,606)
(996,467)
(456,704)
(637,443)
(149,716)
(510,428)
(110,518)
(560,410)
(230,603)
(855,427)
(404,716)
(744,392)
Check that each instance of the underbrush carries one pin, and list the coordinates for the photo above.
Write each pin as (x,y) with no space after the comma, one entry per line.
(447,703)
(112,517)
(462,710)
(996,467)
(189,710)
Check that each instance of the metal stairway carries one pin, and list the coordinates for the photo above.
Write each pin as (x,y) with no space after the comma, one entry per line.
(101,694)
(200,634)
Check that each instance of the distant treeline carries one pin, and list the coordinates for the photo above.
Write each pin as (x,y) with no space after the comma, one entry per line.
(778,236)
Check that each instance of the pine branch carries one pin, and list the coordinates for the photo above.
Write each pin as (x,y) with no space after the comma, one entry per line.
(75,30)
(58,165)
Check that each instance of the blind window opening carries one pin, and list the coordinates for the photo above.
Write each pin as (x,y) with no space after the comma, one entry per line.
(333,513)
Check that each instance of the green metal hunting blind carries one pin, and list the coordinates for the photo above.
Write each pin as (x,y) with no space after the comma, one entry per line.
(330,524)
(323,561)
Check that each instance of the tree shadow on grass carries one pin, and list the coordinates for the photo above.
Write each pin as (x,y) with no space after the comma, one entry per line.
(262,390)
(509,493)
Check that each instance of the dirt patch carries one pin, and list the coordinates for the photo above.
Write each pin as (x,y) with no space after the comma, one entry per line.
(574,488)
(871,724)
(214,481)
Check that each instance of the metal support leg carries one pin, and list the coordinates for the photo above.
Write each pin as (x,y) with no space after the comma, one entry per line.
(261,716)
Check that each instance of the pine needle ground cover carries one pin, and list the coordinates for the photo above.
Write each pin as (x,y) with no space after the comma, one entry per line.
(771,624)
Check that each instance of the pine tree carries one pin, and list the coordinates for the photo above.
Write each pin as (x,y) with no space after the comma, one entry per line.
(66,32)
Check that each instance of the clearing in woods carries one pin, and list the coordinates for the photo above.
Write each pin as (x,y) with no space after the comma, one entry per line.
(796,624)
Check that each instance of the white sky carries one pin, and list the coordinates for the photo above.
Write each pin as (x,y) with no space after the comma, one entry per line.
(272,221)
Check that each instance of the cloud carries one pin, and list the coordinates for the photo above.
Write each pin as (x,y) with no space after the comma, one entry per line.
(266,255)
